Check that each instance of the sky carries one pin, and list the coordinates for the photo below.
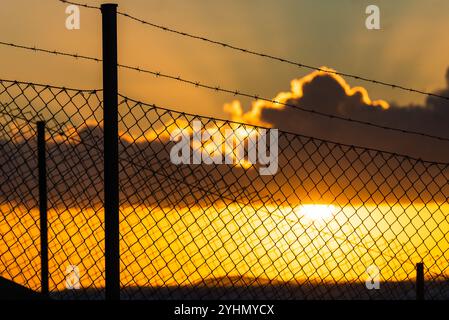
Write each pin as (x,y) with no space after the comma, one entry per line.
(407,50)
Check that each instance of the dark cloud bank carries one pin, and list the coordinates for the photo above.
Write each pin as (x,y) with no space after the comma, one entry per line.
(324,93)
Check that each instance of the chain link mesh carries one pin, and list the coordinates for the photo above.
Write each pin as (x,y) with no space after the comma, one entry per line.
(213,231)
(310,231)
(74,179)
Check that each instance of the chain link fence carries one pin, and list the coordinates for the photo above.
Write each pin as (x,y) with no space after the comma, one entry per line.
(74,182)
(213,231)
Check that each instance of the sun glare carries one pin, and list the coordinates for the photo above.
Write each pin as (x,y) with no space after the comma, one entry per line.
(316,211)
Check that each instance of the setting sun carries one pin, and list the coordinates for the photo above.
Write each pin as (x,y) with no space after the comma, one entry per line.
(316,211)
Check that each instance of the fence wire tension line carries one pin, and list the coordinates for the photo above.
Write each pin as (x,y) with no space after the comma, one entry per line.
(198,84)
(93,207)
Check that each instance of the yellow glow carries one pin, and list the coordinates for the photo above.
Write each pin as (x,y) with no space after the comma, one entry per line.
(180,245)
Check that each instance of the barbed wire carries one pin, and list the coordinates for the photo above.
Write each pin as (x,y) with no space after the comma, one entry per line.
(233,92)
(55,52)
(268,56)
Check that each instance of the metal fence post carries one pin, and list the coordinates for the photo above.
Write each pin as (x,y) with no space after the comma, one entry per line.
(110,120)
(42,168)
(420,281)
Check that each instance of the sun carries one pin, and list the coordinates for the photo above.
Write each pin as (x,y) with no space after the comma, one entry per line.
(316,212)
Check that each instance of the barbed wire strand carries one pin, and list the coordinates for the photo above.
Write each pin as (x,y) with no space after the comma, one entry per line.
(268,56)
(233,92)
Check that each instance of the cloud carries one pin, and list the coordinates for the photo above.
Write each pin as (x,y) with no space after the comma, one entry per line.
(330,93)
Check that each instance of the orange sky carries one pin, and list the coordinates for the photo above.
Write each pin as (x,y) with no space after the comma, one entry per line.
(408,49)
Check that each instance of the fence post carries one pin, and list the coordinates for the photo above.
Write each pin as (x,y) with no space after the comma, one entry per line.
(42,168)
(110,120)
(420,281)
